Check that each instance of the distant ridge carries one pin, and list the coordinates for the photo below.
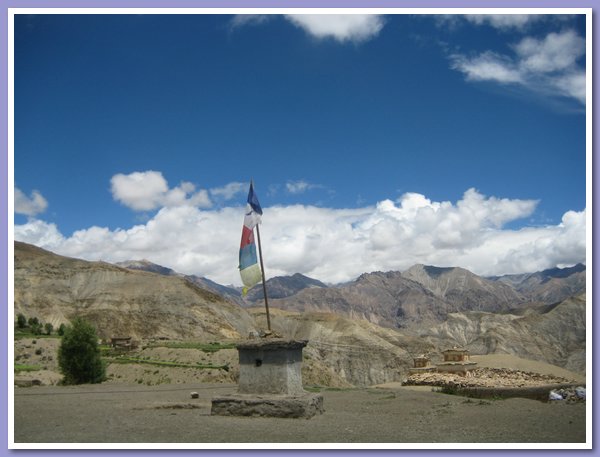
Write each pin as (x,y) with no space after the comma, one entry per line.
(422,293)
(548,286)
(284,286)
(146,265)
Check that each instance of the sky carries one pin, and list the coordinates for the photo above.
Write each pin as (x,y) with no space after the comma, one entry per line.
(375,142)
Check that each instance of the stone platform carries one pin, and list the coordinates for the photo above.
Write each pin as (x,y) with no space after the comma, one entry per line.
(270,382)
(290,406)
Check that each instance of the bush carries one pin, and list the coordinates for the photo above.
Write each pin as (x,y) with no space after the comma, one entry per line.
(21,321)
(79,355)
(48,327)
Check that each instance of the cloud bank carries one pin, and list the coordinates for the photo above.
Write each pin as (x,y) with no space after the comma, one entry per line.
(334,245)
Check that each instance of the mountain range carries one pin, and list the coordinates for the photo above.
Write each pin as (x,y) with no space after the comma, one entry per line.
(380,320)
(427,294)
(420,294)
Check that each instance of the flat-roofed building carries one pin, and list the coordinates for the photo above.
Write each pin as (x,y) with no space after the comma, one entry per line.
(456,360)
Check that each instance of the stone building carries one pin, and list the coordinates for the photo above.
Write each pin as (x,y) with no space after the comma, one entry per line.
(456,354)
(456,360)
(123,343)
(421,363)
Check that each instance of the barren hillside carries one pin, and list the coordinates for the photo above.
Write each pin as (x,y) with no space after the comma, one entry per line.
(119,301)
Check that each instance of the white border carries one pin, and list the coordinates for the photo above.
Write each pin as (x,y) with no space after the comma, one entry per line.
(11,228)
(589,277)
(396,11)
(295,446)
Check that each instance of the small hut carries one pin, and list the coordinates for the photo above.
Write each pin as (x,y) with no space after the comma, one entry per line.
(456,354)
(456,360)
(421,364)
(121,343)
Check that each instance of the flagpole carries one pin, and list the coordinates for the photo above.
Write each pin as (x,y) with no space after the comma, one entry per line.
(262,270)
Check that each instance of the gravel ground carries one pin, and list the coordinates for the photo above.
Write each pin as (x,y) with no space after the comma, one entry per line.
(113,413)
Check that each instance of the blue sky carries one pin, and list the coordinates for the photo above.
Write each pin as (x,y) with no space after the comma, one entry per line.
(378,141)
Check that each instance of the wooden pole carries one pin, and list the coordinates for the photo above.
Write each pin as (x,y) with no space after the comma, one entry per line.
(262,270)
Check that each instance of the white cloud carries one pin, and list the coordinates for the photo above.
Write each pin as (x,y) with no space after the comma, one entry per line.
(335,245)
(148,190)
(40,233)
(140,191)
(29,206)
(230,190)
(240,20)
(556,52)
(571,85)
(341,27)
(298,187)
(504,21)
(488,66)
(547,65)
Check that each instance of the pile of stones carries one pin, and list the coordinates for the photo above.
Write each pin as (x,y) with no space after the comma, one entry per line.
(484,377)
(568,394)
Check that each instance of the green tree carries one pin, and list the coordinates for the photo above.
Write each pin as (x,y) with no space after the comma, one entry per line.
(36,328)
(61,329)
(79,354)
(48,327)
(33,321)
(21,321)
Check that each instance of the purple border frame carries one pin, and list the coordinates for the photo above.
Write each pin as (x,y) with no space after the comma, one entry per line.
(4,219)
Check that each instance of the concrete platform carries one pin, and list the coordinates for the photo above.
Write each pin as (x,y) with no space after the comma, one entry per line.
(304,405)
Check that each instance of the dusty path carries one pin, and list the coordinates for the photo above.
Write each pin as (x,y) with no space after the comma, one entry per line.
(113,413)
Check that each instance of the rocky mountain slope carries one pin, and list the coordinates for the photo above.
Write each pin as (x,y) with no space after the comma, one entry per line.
(283,286)
(228,292)
(425,295)
(146,265)
(346,351)
(385,299)
(120,301)
(555,334)
(393,300)
(548,286)
(422,294)
(464,290)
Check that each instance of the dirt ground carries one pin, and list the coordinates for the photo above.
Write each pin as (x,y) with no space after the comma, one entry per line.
(113,413)
(146,404)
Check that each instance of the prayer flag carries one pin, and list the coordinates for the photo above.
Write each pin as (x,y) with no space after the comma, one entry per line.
(249,269)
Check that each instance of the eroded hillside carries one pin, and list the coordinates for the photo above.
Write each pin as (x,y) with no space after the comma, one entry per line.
(119,301)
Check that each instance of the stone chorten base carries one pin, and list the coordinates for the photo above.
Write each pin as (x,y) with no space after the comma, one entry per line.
(270,382)
(291,406)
